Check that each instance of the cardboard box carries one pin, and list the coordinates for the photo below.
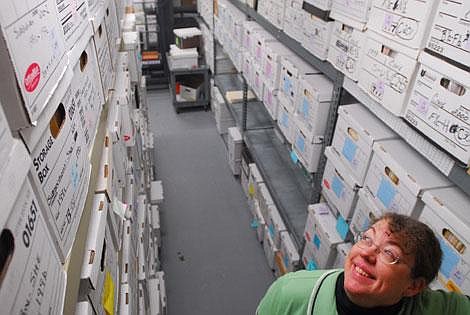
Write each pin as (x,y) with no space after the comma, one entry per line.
(339,186)
(323,236)
(258,82)
(112,29)
(29,80)
(112,277)
(183,58)
(271,63)
(258,221)
(364,212)
(191,89)
(313,104)
(265,200)
(446,212)
(308,258)
(355,13)
(128,301)
(28,250)
(254,182)
(317,34)
(386,72)
(269,248)
(187,37)
(406,23)
(249,27)
(343,250)
(105,65)
(105,178)
(130,43)
(437,105)
(398,176)
(275,225)
(261,39)
(294,19)
(285,121)
(270,100)
(307,147)
(162,287)
(6,139)
(346,49)
(448,32)
(155,299)
(289,253)
(356,131)
(156,192)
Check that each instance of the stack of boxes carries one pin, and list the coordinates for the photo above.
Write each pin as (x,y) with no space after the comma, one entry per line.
(234,150)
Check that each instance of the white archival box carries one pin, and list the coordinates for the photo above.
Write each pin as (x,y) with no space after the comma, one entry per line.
(275,225)
(285,120)
(438,105)
(128,22)
(446,212)
(346,49)
(31,69)
(338,184)
(84,308)
(6,139)
(364,213)
(112,29)
(249,27)
(107,73)
(355,13)
(92,259)
(398,176)
(324,5)
(156,192)
(405,22)
(273,53)
(155,302)
(126,252)
(323,236)
(449,31)
(293,70)
(313,103)
(270,100)
(235,143)
(183,58)
(289,253)
(342,251)
(130,43)
(308,258)
(258,221)
(269,247)
(254,180)
(33,278)
(317,34)
(261,38)
(307,147)
(387,71)
(58,147)
(126,300)
(112,267)
(104,184)
(293,19)
(265,200)
(258,82)
(277,13)
(357,129)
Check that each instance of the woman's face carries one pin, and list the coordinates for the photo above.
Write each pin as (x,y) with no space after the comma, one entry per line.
(369,281)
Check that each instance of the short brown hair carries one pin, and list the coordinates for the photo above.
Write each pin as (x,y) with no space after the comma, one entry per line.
(419,240)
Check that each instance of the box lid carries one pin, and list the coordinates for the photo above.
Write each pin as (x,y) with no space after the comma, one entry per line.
(321,85)
(447,69)
(327,221)
(449,201)
(334,158)
(187,32)
(410,167)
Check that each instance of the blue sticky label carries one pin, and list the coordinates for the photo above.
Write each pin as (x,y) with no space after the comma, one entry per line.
(337,186)
(450,258)
(316,241)
(74,175)
(271,230)
(311,265)
(294,157)
(300,143)
(305,108)
(286,86)
(342,227)
(365,224)
(285,120)
(286,260)
(386,192)
(254,223)
(349,149)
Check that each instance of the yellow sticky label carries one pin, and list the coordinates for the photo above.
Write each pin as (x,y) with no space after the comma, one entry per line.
(251,190)
(451,286)
(108,294)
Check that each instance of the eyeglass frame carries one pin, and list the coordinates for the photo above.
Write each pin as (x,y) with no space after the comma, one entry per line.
(378,249)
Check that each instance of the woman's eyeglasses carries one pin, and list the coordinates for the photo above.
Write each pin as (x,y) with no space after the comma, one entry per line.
(387,253)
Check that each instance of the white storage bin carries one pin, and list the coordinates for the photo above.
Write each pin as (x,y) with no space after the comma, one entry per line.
(307,147)
(398,176)
(269,248)
(355,13)
(356,131)
(317,34)
(275,225)
(289,253)
(438,105)
(270,100)
(364,212)
(285,121)
(274,51)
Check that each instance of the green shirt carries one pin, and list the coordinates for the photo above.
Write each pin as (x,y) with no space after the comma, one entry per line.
(291,293)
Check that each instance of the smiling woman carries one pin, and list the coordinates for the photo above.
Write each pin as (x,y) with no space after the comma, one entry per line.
(387,271)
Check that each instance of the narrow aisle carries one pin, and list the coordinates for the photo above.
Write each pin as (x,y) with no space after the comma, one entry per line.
(212,260)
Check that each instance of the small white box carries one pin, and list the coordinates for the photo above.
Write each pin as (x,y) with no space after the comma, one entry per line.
(346,49)
(289,253)
(398,176)
(275,225)
(405,22)
(269,248)
(156,192)
(105,65)
(449,32)
(324,5)
(365,212)
(261,38)
(338,184)
(342,252)
(249,27)
(112,29)
(183,58)
(386,72)
(293,70)
(438,105)
(273,53)
(313,104)
(355,13)
(258,221)
(308,258)
(128,302)
(258,82)
(323,236)
(286,122)
(446,213)
(270,100)
(104,184)
(130,43)
(248,68)
(265,200)
(293,19)
(29,79)
(356,131)
(162,286)
(254,180)
(307,147)
(317,35)
(155,299)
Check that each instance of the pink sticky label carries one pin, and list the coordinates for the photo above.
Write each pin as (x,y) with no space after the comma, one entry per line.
(268,70)
(32,77)
(422,106)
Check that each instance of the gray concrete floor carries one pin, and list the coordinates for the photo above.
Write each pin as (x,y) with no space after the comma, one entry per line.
(212,260)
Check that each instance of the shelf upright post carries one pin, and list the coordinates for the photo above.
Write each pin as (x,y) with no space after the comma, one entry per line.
(328,137)
(245,103)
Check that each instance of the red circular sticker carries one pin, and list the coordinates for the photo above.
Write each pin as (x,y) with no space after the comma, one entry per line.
(326,183)
(32,77)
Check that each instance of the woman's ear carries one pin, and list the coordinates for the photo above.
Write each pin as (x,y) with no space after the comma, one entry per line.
(416,286)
